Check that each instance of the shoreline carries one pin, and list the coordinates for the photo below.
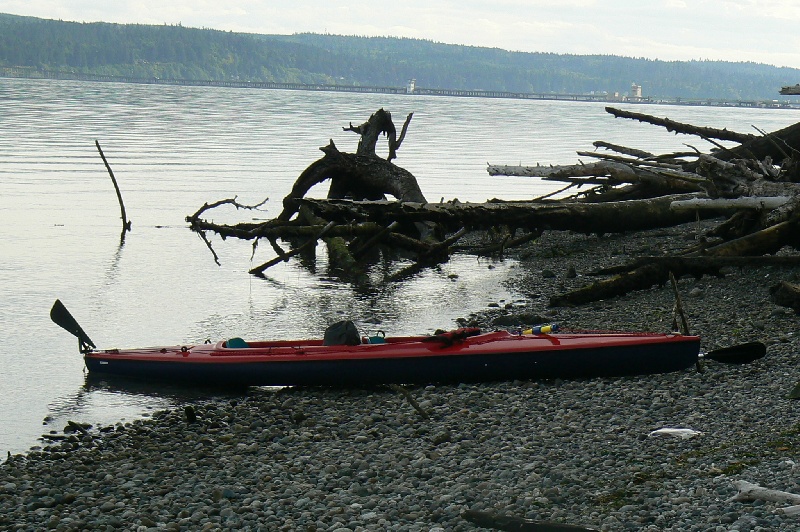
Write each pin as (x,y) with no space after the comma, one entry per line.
(576,451)
(24,73)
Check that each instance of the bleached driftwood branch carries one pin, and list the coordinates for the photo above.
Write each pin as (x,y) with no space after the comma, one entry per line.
(766,202)
(752,492)
(559,171)
(614,169)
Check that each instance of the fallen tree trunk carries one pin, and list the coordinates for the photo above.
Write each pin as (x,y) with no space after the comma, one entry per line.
(640,278)
(678,127)
(656,272)
(753,492)
(596,218)
(371,176)
(786,294)
(614,172)
(730,204)
(285,230)
(768,240)
(698,264)
(645,179)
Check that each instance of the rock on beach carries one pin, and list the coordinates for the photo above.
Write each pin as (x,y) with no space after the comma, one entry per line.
(575,451)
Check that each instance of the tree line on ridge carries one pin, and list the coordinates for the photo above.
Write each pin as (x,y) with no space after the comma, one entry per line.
(177,52)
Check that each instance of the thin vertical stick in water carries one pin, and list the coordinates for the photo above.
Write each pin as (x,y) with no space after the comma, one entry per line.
(126,224)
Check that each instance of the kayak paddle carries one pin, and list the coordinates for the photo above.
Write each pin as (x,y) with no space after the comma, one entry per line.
(737,354)
(61,317)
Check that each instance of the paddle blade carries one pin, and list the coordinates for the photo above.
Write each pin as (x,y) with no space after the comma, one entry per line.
(61,317)
(738,354)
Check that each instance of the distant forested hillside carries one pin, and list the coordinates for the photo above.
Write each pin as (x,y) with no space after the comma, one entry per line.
(204,54)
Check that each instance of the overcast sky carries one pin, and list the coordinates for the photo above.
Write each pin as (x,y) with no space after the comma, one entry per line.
(762,31)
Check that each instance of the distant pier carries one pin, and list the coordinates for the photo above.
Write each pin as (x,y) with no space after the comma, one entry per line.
(31,73)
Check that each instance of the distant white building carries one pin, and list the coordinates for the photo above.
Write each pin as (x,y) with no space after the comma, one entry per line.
(636,91)
(411,85)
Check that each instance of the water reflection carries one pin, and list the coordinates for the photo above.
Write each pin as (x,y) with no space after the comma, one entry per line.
(113,268)
(298,300)
(173,393)
(106,400)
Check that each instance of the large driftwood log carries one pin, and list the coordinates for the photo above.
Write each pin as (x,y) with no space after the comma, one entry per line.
(641,278)
(778,145)
(286,230)
(786,294)
(768,240)
(646,272)
(753,492)
(656,271)
(646,179)
(608,217)
(730,204)
(698,264)
(678,127)
(362,177)
(609,172)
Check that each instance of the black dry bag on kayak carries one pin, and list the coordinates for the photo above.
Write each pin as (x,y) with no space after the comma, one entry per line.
(342,333)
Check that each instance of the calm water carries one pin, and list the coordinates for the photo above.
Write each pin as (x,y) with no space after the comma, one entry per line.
(174,148)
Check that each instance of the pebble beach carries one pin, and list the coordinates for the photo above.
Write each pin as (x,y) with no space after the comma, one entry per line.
(578,452)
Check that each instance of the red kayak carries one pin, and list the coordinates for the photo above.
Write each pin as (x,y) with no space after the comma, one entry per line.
(463,355)
(493,356)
